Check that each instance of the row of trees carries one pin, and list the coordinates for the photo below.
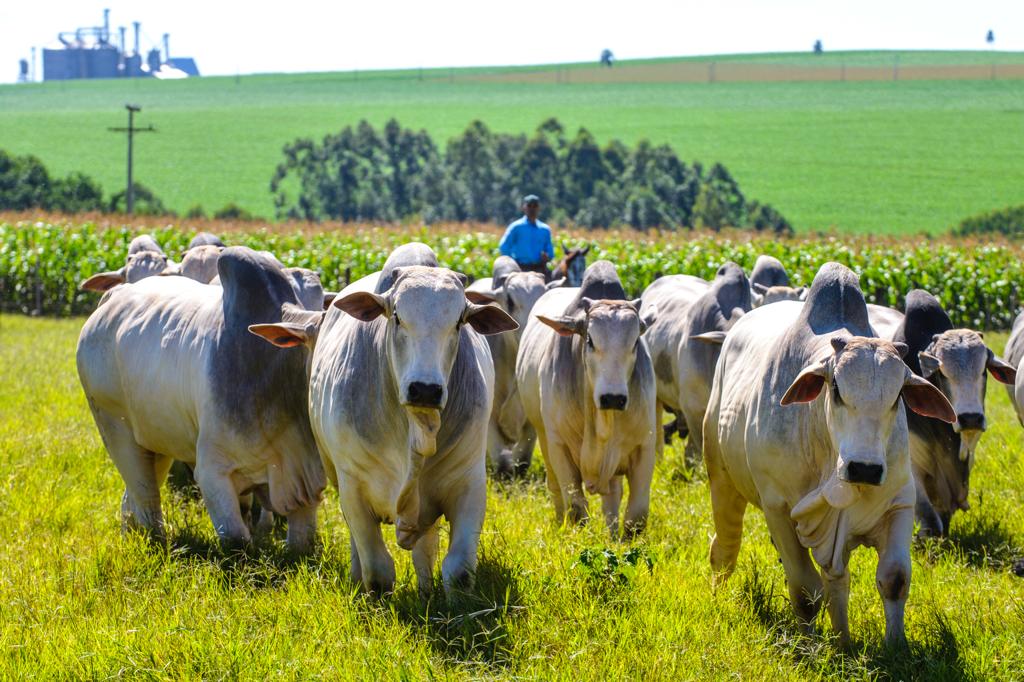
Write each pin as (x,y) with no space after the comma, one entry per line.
(1008,222)
(362,174)
(26,184)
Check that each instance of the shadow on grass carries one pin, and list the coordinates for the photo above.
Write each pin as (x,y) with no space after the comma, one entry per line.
(980,540)
(469,627)
(936,656)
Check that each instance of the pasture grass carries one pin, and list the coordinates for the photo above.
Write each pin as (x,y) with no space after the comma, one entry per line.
(879,157)
(79,600)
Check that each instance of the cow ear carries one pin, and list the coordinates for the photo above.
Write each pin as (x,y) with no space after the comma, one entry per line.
(464,278)
(806,386)
(488,319)
(103,281)
(716,338)
(555,284)
(922,397)
(647,318)
(759,288)
(929,364)
(565,326)
(1000,370)
(329,297)
(482,297)
(283,334)
(364,305)
(901,348)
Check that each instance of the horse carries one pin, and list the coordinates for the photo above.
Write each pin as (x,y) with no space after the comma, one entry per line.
(568,271)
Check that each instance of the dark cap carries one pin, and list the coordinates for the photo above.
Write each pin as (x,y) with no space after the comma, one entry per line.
(531,199)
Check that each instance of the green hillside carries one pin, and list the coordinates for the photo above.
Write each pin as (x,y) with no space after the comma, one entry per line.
(879,156)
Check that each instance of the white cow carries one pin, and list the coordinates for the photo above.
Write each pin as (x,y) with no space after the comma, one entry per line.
(510,438)
(400,393)
(171,372)
(587,386)
(687,337)
(806,421)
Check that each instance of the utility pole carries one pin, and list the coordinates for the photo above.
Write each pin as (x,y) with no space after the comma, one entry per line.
(129,196)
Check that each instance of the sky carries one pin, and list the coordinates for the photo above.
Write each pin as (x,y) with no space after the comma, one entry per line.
(228,37)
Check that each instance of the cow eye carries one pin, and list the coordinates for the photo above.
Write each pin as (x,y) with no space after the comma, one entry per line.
(835,392)
(511,305)
(590,342)
(398,320)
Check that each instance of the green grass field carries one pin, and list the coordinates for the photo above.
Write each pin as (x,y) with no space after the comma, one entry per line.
(885,157)
(78,600)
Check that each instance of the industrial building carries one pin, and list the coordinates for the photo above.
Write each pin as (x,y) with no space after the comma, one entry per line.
(89,52)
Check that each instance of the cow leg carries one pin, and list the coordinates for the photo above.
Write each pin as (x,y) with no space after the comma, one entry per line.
(301,537)
(458,570)
(837,600)
(694,452)
(551,478)
(501,462)
(424,558)
(927,517)
(892,577)
(570,483)
(371,563)
(610,504)
(667,429)
(221,498)
(803,581)
(355,567)
(522,451)
(727,507)
(140,504)
(639,476)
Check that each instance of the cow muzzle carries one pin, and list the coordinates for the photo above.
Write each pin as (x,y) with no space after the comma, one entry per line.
(970,421)
(862,473)
(612,401)
(420,394)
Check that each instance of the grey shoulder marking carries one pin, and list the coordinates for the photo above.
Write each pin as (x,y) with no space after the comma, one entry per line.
(836,302)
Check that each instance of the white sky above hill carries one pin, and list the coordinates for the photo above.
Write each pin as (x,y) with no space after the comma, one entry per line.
(305,35)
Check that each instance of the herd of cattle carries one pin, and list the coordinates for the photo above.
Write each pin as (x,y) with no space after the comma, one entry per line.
(844,422)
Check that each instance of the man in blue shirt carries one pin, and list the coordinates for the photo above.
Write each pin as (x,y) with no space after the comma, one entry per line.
(528,241)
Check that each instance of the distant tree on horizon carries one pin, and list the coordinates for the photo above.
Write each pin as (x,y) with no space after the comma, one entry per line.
(990,38)
(818,48)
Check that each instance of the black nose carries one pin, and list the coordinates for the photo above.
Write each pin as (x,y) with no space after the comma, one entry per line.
(861,472)
(613,401)
(424,395)
(971,421)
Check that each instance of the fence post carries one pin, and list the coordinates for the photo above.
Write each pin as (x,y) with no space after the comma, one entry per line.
(348,276)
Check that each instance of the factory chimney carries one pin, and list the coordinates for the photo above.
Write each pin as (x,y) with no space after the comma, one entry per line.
(137,26)
(167,48)
(121,29)
(106,26)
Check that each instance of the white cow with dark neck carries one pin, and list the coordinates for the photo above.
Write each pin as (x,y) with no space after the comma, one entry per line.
(171,372)
(806,421)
